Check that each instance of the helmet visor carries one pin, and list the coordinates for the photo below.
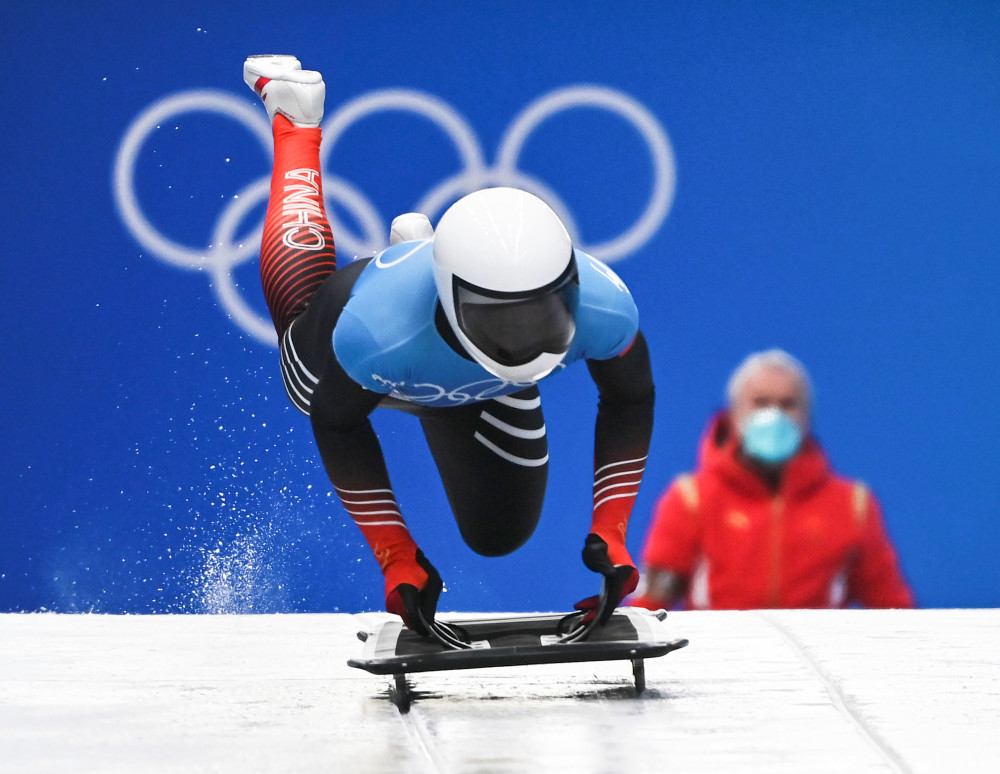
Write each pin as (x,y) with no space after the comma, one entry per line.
(514,328)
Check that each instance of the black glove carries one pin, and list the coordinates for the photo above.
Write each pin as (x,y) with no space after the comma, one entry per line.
(417,606)
(620,580)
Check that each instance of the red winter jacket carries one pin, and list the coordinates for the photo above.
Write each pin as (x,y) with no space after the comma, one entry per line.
(818,541)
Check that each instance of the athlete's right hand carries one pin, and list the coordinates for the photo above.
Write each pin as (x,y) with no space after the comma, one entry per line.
(412,589)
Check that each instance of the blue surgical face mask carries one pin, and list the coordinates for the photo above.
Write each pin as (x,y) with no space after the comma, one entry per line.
(770,435)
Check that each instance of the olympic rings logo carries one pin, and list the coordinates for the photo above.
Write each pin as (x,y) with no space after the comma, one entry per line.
(225,252)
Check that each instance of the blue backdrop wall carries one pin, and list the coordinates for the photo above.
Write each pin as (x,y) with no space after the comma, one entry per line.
(824,177)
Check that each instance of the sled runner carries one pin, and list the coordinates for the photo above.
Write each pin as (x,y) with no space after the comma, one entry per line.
(630,634)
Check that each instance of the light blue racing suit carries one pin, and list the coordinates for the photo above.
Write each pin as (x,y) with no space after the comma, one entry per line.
(387,340)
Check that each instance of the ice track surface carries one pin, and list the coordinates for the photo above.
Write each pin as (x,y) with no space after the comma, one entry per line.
(782,691)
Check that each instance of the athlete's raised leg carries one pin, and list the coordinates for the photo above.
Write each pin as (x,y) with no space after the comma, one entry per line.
(297,251)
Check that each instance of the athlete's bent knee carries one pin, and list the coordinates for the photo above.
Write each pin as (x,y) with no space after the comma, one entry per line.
(488,539)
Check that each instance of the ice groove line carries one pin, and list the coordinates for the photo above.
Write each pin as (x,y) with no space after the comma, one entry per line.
(840,700)
(414,723)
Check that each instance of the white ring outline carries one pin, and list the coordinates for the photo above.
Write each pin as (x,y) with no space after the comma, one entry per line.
(220,270)
(223,254)
(664,166)
(419,103)
(199,100)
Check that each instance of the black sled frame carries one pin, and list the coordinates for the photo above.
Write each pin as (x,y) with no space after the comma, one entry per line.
(629,634)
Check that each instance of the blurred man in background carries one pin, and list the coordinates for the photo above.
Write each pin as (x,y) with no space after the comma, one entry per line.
(764,522)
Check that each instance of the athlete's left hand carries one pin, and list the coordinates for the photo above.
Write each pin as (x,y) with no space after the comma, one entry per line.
(415,601)
(620,577)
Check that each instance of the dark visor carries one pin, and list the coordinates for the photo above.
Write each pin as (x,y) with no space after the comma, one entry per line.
(514,328)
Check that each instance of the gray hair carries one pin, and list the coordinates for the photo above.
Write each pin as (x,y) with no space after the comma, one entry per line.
(771,358)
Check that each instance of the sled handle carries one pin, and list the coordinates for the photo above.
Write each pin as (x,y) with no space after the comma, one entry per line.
(581,631)
(449,637)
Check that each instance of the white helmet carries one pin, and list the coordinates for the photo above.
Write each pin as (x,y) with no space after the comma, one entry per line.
(507,280)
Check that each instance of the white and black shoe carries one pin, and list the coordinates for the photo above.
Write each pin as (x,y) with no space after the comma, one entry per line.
(286,88)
